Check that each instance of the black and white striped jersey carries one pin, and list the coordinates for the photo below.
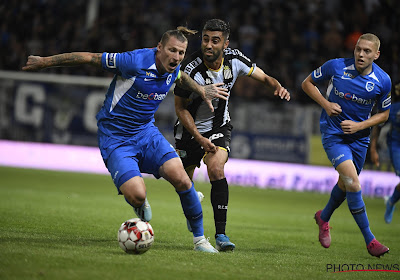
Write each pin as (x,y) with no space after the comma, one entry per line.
(234,64)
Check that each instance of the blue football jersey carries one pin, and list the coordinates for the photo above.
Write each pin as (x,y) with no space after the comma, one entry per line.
(394,119)
(356,94)
(135,92)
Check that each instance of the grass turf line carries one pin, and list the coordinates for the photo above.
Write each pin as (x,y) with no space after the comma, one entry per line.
(59,225)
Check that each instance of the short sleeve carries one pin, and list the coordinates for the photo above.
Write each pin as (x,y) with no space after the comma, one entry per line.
(385,100)
(324,72)
(119,63)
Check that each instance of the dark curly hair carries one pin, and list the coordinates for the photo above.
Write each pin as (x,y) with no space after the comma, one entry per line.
(218,25)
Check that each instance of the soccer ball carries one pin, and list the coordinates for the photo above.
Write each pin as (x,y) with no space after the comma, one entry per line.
(135,236)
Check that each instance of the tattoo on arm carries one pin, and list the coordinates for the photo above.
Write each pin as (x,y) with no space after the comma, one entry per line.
(96,59)
(188,83)
(74,59)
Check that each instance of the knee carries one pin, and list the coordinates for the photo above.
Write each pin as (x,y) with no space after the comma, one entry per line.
(135,200)
(134,196)
(351,184)
(215,172)
(182,183)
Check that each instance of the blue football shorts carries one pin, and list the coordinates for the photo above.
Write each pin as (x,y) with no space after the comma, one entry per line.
(340,148)
(394,151)
(144,152)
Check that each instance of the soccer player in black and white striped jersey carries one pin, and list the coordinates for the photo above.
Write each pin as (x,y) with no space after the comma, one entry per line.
(202,134)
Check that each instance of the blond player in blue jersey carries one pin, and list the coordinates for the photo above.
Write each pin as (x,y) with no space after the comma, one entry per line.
(129,141)
(355,85)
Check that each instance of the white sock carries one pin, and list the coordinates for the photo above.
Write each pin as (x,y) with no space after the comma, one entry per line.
(197,239)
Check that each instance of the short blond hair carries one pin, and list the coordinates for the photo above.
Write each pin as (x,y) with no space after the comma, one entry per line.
(372,38)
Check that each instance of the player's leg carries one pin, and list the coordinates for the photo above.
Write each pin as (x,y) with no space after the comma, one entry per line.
(173,171)
(394,151)
(322,217)
(219,196)
(338,195)
(125,172)
(134,191)
(190,171)
(337,152)
(390,204)
(161,160)
(122,163)
(191,154)
(349,177)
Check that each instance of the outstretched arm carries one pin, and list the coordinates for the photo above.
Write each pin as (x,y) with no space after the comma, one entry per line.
(271,82)
(35,63)
(207,93)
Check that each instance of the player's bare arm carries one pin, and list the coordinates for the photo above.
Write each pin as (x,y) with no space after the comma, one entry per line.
(207,93)
(350,127)
(188,122)
(374,144)
(310,88)
(271,83)
(66,59)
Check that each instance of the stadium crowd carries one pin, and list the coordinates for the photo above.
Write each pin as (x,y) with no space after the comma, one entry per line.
(288,39)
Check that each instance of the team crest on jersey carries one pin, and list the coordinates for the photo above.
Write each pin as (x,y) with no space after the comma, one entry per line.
(369,86)
(169,79)
(227,72)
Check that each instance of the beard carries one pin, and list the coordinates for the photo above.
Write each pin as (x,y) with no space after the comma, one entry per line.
(213,57)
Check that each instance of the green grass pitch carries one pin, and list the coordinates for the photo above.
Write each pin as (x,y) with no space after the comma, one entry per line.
(59,225)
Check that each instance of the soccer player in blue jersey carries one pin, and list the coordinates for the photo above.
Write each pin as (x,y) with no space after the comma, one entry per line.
(355,85)
(393,142)
(128,140)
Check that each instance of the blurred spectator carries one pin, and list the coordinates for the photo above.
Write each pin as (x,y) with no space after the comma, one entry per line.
(286,38)
(352,37)
(332,41)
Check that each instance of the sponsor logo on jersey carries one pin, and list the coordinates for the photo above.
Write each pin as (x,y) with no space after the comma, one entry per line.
(189,68)
(352,97)
(216,136)
(149,74)
(317,72)
(347,76)
(110,60)
(151,96)
(369,86)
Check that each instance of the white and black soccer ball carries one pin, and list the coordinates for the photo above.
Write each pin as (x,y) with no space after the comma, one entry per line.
(135,236)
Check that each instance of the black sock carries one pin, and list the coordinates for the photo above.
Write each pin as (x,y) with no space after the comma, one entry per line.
(219,202)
